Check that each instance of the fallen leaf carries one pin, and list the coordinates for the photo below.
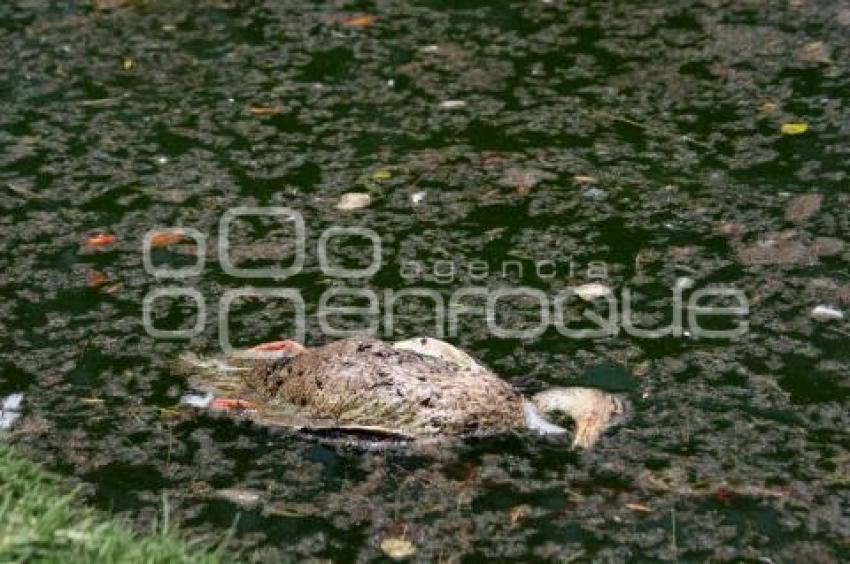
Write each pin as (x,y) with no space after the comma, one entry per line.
(794,128)
(639,507)
(165,238)
(397,548)
(128,63)
(100,240)
(584,179)
(353,201)
(518,512)
(96,279)
(382,174)
(452,104)
(231,403)
(265,110)
(363,20)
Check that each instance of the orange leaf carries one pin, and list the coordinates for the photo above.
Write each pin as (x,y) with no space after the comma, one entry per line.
(100,240)
(96,279)
(363,20)
(231,403)
(165,238)
(265,110)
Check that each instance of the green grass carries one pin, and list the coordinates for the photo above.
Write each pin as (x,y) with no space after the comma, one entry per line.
(39,522)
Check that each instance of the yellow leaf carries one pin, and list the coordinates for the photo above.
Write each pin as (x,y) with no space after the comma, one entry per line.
(794,128)
(381,174)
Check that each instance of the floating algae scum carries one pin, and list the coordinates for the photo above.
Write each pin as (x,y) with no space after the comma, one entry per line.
(666,140)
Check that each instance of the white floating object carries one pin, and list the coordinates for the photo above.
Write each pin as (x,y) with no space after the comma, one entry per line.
(826,313)
(354,201)
(398,548)
(429,48)
(10,410)
(418,197)
(197,400)
(594,193)
(162,160)
(452,104)
(592,290)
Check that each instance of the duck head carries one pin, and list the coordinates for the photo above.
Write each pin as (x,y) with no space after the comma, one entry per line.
(593,411)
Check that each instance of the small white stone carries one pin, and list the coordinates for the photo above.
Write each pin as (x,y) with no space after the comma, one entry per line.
(826,313)
(452,104)
(418,197)
(429,48)
(592,290)
(162,160)
(353,201)
(391,82)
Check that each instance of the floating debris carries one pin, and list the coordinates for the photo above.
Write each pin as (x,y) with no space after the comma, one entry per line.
(197,400)
(98,240)
(10,410)
(826,313)
(594,193)
(265,110)
(231,404)
(803,207)
(418,197)
(592,290)
(639,507)
(362,20)
(524,179)
(794,128)
(165,238)
(452,104)
(584,179)
(246,498)
(778,248)
(96,279)
(354,201)
(397,548)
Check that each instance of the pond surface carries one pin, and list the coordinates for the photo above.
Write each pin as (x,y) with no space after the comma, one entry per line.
(646,138)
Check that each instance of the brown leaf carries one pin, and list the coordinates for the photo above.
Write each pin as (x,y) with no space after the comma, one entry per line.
(165,238)
(96,279)
(262,110)
(362,20)
(99,240)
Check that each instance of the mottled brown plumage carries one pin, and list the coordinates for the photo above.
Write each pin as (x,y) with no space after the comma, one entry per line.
(367,382)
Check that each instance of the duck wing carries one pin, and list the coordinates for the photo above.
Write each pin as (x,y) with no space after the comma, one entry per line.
(429,346)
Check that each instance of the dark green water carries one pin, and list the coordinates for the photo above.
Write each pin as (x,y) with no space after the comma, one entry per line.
(636,134)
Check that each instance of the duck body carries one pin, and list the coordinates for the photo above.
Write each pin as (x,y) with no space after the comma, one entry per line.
(364,389)
(370,383)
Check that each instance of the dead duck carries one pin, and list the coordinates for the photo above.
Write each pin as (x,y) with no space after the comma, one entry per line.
(414,390)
